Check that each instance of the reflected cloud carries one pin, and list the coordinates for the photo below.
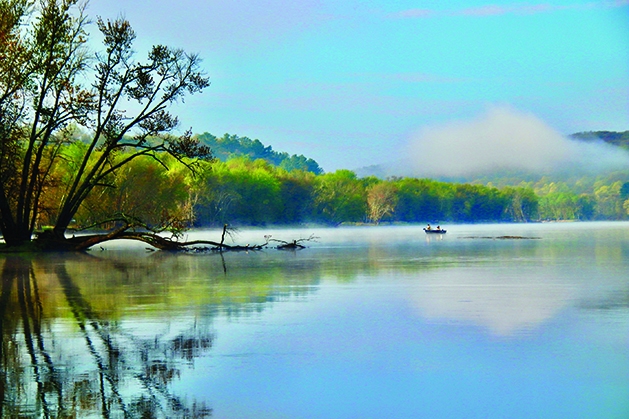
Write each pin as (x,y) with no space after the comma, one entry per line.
(504,302)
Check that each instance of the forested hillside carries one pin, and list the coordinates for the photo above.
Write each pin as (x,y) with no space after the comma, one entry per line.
(585,197)
(246,191)
(620,139)
(241,191)
(576,195)
(567,194)
(229,146)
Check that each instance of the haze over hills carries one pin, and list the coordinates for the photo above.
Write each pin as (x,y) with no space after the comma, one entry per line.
(620,139)
(505,143)
(512,176)
(229,146)
(503,147)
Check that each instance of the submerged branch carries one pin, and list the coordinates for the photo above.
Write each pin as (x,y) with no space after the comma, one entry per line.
(47,240)
(291,245)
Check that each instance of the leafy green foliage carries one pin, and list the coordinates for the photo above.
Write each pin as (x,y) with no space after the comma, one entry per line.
(50,83)
(230,146)
(423,199)
(340,197)
(599,197)
(145,190)
(242,191)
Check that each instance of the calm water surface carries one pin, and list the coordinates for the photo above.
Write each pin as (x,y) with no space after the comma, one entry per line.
(367,322)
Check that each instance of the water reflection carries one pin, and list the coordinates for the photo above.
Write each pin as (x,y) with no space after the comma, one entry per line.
(376,322)
(84,364)
(501,300)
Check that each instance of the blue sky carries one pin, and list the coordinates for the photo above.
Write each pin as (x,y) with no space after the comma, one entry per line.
(351,83)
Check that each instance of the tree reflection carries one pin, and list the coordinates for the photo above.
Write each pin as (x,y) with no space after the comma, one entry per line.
(98,369)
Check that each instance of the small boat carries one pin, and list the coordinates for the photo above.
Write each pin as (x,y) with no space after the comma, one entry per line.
(434,231)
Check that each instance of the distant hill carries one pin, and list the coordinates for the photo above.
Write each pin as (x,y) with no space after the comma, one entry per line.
(229,146)
(384,170)
(620,139)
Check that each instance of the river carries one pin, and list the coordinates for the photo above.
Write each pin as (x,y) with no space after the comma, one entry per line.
(486,321)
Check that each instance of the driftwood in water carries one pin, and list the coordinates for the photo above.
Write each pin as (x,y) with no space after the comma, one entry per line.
(48,241)
(221,246)
(84,242)
(291,245)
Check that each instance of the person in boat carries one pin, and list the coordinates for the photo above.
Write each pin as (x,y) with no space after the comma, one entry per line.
(428,227)
(438,228)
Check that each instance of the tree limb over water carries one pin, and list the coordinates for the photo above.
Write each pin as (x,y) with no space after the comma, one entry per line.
(139,232)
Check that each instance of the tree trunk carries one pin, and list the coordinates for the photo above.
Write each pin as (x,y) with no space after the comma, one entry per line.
(16,235)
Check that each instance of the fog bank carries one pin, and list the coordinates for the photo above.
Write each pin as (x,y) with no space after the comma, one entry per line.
(505,139)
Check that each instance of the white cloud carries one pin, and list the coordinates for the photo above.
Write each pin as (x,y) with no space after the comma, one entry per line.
(504,138)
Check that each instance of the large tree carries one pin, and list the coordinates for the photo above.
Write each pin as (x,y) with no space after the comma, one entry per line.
(50,84)
(382,198)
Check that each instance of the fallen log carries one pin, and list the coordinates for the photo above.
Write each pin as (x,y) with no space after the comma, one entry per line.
(48,241)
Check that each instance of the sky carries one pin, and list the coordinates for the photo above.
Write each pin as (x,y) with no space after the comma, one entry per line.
(357,83)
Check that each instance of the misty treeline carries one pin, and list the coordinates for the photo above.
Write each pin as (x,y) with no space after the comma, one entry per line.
(619,139)
(604,197)
(242,191)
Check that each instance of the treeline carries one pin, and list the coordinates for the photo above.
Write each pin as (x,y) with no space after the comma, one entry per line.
(254,192)
(620,139)
(601,197)
(229,146)
(604,197)
(242,191)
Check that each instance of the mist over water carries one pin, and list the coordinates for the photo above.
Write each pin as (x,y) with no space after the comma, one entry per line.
(505,139)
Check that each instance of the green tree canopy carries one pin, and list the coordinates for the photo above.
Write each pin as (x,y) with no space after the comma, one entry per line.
(50,84)
(230,146)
